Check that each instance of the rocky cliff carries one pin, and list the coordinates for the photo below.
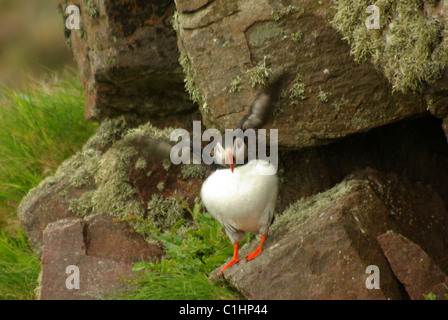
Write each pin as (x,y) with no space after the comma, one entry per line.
(362,123)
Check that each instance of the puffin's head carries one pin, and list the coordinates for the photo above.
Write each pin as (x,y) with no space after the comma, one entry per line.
(230,156)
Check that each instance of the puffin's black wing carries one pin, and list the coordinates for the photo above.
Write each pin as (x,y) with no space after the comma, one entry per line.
(263,106)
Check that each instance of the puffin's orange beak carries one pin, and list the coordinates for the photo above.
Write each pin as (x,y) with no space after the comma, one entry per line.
(229,158)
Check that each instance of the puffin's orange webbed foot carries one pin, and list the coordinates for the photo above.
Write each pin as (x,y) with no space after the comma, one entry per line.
(231,263)
(257,251)
(234,259)
(254,254)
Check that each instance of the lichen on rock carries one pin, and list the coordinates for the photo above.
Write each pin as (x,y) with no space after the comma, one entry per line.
(192,171)
(259,74)
(296,91)
(298,212)
(164,212)
(140,164)
(96,179)
(190,86)
(410,48)
(235,85)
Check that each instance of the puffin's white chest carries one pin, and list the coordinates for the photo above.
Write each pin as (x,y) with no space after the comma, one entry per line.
(244,199)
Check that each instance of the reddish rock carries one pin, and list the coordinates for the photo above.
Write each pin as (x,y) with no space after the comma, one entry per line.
(38,210)
(107,239)
(183,180)
(413,267)
(128,59)
(190,5)
(68,242)
(133,164)
(416,210)
(320,246)
(226,45)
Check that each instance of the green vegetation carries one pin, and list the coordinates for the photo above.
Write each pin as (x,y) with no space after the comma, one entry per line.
(192,171)
(190,75)
(280,14)
(296,36)
(297,91)
(140,164)
(19,268)
(91,10)
(235,85)
(432,296)
(322,96)
(38,151)
(259,74)
(34,140)
(175,22)
(263,32)
(190,255)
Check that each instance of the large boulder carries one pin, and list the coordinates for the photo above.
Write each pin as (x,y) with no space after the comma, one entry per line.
(335,217)
(230,49)
(127,57)
(413,267)
(321,246)
(123,172)
(102,252)
(409,45)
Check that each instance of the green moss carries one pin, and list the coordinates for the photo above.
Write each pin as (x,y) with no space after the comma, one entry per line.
(409,47)
(235,85)
(164,212)
(175,22)
(147,129)
(82,31)
(192,171)
(161,186)
(278,14)
(315,34)
(111,61)
(322,96)
(166,164)
(68,43)
(82,205)
(303,209)
(110,131)
(296,36)
(140,164)
(227,44)
(190,75)
(263,32)
(259,74)
(91,9)
(297,90)
(114,191)
(102,168)
(98,44)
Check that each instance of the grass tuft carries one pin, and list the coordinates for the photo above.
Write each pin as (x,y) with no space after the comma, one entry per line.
(191,253)
(39,128)
(19,268)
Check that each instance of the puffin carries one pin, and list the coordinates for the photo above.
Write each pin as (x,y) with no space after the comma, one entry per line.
(242,197)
